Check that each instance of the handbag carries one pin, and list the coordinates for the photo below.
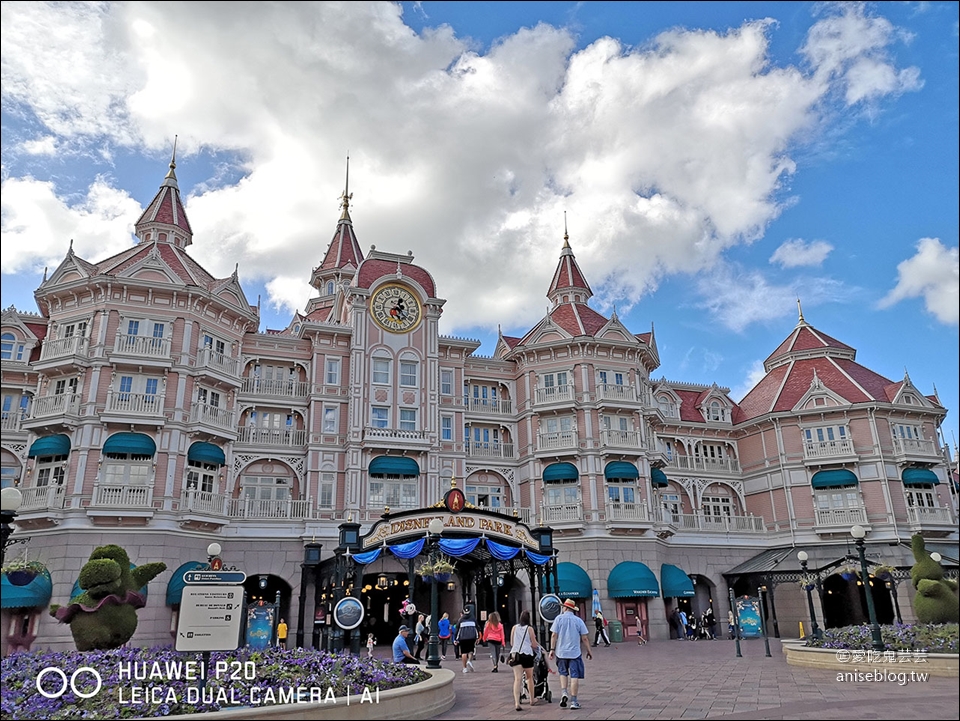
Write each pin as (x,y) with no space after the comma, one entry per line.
(513,659)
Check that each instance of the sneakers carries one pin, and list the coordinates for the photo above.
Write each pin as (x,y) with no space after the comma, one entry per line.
(575,704)
(563,701)
(470,666)
(493,670)
(466,670)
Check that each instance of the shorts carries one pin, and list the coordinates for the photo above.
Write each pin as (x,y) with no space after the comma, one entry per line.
(467,646)
(526,660)
(572,667)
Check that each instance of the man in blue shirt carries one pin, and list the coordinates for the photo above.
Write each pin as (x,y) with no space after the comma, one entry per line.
(401,650)
(568,639)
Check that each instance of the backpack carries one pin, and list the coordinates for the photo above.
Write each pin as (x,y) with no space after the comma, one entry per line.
(467,631)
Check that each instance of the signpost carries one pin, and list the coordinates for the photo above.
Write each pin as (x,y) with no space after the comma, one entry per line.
(211,577)
(210,618)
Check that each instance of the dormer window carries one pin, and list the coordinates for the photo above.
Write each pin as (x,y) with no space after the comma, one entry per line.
(716,411)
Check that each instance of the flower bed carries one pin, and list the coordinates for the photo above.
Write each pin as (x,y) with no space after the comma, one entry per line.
(159,682)
(932,638)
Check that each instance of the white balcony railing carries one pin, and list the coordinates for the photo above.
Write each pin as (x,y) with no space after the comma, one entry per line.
(627,511)
(212,416)
(272,436)
(828,449)
(699,463)
(841,517)
(561,513)
(715,524)
(142,346)
(44,497)
(257,508)
(122,496)
(490,450)
(59,405)
(136,404)
(620,439)
(214,360)
(561,439)
(10,421)
(275,387)
(554,394)
(919,516)
(64,347)
(488,405)
(522,514)
(397,434)
(615,392)
(903,446)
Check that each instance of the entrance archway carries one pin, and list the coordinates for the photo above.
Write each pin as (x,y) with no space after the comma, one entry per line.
(266,586)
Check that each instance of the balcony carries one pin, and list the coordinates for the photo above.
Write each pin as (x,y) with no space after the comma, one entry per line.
(395,438)
(637,512)
(47,408)
(122,497)
(274,388)
(285,437)
(725,466)
(612,392)
(215,416)
(554,394)
(252,508)
(562,440)
(914,450)
(829,451)
(42,498)
(619,439)
(63,349)
(491,406)
(142,350)
(715,524)
(10,422)
(219,363)
(132,407)
(840,519)
(564,513)
(524,515)
(490,450)
(930,519)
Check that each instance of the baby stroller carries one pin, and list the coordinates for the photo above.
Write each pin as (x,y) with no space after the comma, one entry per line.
(541,674)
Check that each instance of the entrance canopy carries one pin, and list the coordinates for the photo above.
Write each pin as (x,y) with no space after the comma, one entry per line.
(574,581)
(630,579)
(675,582)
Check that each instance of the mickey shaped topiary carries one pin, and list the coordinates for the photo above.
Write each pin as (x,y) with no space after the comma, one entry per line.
(104,615)
(936,600)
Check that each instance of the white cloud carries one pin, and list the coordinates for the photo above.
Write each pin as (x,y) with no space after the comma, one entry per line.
(933,273)
(755,374)
(475,155)
(797,252)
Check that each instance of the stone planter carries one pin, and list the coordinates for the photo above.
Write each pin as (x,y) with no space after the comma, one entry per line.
(936,664)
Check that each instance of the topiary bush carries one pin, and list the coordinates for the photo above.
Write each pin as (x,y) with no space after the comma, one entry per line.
(936,600)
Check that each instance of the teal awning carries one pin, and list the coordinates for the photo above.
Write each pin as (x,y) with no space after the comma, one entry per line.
(134,443)
(35,594)
(836,478)
(560,472)
(206,453)
(630,579)
(919,477)
(675,582)
(58,445)
(658,478)
(574,581)
(394,466)
(176,583)
(621,470)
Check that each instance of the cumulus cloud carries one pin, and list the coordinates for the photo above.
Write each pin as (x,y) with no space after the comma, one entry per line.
(797,252)
(755,374)
(933,273)
(663,156)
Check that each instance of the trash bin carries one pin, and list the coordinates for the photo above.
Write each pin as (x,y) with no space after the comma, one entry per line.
(615,631)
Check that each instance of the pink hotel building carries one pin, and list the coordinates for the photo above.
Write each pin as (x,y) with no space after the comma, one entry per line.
(143,406)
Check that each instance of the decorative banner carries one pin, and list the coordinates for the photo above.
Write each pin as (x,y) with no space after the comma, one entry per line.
(550,607)
(748,613)
(260,623)
(348,613)
(473,522)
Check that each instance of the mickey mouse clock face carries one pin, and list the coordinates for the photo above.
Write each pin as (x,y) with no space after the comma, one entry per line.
(395,309)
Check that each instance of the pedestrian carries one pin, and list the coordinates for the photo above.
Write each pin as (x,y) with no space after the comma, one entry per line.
(711,622)
(568,637)
(443,633)
(493,634)
(676,624)
(371,642)
(467,640)
(420,630)
(282,634)
(684,629)
(523,649)
(401,649)
(731,624)
(600,622)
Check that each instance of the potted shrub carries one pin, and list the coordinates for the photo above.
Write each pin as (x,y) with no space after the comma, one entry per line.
(883,572)
(807,582)
(20,572)
(443,571)
(849,573)
(426,572)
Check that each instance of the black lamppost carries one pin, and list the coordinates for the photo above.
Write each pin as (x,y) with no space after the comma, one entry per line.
(858,533)
(814,628)
(311,559)
(10,500)
(434,530)
(763,621)
(736,621)
(349,543)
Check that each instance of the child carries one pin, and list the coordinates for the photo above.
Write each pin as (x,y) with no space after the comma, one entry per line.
(371,642)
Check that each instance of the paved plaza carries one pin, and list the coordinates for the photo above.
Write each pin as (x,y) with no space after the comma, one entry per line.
(683,679)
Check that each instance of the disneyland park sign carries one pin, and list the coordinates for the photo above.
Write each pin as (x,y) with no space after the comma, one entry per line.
(468,522)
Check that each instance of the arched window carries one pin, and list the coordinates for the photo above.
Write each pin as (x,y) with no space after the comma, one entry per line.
(10,349)
(717,411)
(329,287)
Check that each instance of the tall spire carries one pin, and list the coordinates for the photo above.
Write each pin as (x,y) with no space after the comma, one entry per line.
(346,195)
(343,255)
(165,220)
(568,284)
(800,321)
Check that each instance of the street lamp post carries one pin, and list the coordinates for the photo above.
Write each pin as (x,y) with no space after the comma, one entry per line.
(763,621)
(858,533)
(433,651)
(10,500)
(736,622)
(814,628)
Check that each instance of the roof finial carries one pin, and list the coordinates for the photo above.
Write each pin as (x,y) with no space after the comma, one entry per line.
(800,312)
(70,250)
(566,236)
(171,177)
(44,274)
(346,195)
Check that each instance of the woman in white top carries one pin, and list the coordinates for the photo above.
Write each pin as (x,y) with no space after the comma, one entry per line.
(524,644)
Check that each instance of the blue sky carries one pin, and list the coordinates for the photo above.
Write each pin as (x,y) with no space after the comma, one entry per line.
(715,160)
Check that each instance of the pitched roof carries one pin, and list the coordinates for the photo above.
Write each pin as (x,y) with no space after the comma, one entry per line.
(344,250)
(568,275)
(806,338)
(166,207)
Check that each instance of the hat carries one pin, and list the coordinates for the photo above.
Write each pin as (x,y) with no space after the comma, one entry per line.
(570,604)
(403,628)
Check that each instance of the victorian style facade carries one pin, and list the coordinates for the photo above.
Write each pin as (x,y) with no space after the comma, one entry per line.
(144,406)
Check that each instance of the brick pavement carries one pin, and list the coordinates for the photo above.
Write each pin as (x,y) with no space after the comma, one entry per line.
(689,680)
